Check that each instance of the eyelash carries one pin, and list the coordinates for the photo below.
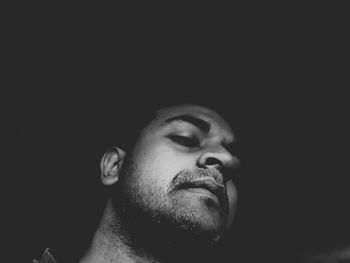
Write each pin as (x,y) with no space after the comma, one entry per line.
(190,142)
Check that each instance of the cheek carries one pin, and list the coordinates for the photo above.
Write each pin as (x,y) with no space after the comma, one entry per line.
(160,164)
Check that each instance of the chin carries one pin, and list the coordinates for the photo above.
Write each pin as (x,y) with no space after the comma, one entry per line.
(202,223)
(198,217)
(212,232)
(211,224)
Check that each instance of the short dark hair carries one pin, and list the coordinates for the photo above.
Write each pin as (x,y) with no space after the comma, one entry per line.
(124,129)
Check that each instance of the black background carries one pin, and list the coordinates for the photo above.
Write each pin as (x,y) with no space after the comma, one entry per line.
(280,82)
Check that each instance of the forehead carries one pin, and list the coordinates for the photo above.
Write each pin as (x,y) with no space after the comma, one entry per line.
(206,114)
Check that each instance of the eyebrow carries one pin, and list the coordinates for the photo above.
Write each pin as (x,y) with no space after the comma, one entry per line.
(199,123)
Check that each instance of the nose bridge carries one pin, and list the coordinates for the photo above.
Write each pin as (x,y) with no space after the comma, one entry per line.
(216,156)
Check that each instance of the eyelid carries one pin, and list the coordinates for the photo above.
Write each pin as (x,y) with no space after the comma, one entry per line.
(183,136)
(179,124)
(185,140)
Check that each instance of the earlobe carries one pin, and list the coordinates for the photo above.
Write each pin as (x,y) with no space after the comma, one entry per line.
(111,164)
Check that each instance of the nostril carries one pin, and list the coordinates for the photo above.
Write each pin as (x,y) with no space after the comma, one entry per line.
(213,162)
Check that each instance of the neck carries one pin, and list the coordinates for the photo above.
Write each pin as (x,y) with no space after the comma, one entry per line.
(119,239)
(110,242)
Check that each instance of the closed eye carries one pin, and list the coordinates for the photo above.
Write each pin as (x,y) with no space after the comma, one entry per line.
(185,140)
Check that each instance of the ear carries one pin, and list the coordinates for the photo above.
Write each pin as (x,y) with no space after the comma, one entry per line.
(111,164)
(232,199)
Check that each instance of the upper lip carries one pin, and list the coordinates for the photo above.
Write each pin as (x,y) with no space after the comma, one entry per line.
(209,184)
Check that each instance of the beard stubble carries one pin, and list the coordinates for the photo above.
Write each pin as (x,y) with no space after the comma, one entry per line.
(169,228)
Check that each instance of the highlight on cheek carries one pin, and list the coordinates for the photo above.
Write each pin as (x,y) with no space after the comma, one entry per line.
(232,199)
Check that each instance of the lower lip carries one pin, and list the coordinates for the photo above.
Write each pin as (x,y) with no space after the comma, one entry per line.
(202,191)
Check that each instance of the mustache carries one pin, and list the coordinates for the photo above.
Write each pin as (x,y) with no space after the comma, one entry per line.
(190,175)
(194,176)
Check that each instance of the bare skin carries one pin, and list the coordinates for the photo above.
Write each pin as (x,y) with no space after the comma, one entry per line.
(176,177)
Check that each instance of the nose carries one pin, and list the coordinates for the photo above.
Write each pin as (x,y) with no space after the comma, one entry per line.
(218,158)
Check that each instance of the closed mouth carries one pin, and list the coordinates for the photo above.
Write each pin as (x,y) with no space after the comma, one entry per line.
(208,184)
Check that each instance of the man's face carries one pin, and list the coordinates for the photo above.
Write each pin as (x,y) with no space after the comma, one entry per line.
(180,167)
